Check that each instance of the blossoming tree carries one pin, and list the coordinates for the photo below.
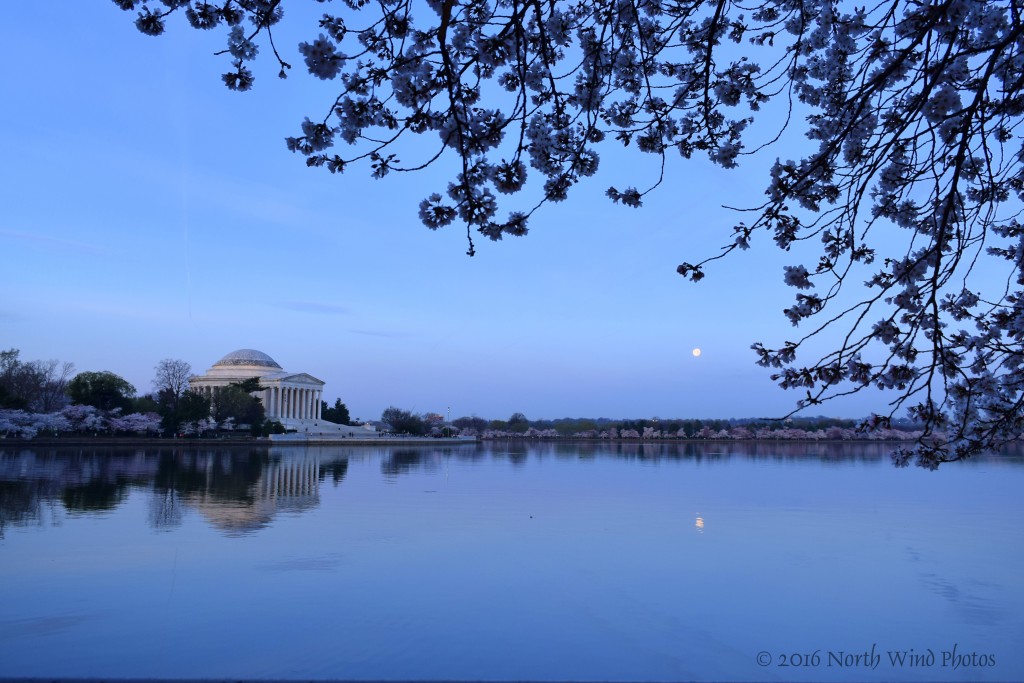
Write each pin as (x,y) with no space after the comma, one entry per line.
(911,185)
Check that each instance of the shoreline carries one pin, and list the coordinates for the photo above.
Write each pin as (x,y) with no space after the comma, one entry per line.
(247,442)
(250,442)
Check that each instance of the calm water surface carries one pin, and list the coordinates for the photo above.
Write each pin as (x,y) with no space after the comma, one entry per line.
(510,561)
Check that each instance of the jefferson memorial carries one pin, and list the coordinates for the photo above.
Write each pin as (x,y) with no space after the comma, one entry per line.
(292,398)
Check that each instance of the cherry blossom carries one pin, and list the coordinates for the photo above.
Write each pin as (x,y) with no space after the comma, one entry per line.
(911,188)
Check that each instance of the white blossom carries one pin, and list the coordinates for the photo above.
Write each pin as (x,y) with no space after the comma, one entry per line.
(322,59)
(797,276)
(912,111)
(239,46)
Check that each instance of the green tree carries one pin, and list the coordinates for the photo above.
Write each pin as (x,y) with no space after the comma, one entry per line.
(103,390)
(518,423)
(403,421)
(191,406)
(145,404)
(569,426)
(273,427)
(477,424)
(250,385)
(235,403)
(338,414)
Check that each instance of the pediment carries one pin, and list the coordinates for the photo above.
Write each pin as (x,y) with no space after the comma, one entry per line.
(295,378)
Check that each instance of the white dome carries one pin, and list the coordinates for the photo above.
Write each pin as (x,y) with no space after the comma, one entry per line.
(247,357)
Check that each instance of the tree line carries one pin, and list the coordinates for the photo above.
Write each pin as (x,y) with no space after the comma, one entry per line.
(48,397)
(404,422)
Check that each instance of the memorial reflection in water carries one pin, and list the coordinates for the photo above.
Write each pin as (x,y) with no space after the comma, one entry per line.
(236,490)
(240,489)
(511,560)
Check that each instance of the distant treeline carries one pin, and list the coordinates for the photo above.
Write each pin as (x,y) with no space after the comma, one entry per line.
(519,426)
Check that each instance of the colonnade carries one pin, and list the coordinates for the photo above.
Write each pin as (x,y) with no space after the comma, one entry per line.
(292,403)
(290,479)
(283,402)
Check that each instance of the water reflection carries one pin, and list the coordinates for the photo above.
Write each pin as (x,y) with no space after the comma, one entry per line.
(237,491)
(503,561)
(241,490)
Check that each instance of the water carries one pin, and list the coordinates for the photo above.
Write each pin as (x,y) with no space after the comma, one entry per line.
(510,561)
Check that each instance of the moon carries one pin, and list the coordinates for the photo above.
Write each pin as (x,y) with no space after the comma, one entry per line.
(696,353)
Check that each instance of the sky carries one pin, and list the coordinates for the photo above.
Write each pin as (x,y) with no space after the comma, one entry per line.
(147,212)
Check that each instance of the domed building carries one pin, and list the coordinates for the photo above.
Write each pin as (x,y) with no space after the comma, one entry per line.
(291,398)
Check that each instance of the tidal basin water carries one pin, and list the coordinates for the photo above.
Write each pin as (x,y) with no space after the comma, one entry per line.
(717,561)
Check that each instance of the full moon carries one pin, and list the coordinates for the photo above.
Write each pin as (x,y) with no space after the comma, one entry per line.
(696,353)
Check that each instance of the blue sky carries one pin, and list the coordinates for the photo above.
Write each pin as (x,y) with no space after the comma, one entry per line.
(147,212)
